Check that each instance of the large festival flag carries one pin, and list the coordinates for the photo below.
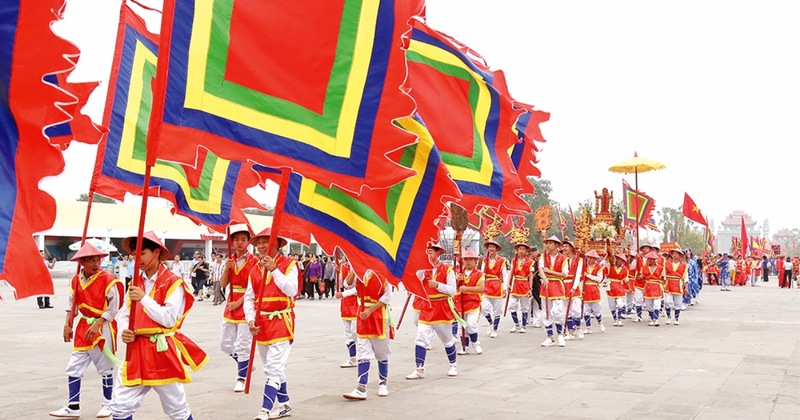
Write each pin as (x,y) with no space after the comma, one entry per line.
(77,126)
(691,211)
(384,230)
(630,199)
(524,152)
(312,86)
(710,240)
(210,191)
(469,119)
(28,52)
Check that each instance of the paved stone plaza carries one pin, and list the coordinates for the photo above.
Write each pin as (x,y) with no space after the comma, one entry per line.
(735,356)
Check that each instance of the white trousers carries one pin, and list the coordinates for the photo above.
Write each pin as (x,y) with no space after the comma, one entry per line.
(638,297)
(673,301)
(373,348)
(235,338)
(79,362)
(614,304)
(592,309)
(519,303)
(274,358)
(444,331)
(126,400)
(557,310)
(652,305)
(472,322)
(349,331)
(493,307)
(575,308)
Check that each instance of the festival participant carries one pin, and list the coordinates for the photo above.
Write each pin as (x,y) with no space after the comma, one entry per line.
(374,330)
(269,311)
(630,289)
(537,309)
(496,270)
(652,274)
(617,276)
(158,353)
(521,280)
(724,273)
(695,278)
(573,287)
(468,299)
(638,283)
(95,298)
(741,271)
(553,266)
(436,315)
(593,277)
(677,279)
(235,337)
(348,309)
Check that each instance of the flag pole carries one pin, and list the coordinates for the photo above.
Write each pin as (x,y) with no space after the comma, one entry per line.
(273,240)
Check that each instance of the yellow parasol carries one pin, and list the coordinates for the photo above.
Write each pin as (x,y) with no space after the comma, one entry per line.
(634,166)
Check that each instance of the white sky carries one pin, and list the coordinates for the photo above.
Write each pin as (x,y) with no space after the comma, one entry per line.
(710,88)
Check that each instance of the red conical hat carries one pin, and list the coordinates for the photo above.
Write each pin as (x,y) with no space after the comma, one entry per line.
(592,254)
(469,253)
(150,236)
(652,255)
(88,250)
(622,256)
(266,233)
(553,238)
(435,245)
(239,227)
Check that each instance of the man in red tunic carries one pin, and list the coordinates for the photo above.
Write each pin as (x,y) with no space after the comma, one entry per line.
(95,298)
(436,315)
(495,268)
(159,355)
(617,276)
(348,309)
(468,299)
(553,266)
(235,337)
(573,284)
(269,310)
(677,279)
(521,280)
(594,276)
(374,331)
(652,274)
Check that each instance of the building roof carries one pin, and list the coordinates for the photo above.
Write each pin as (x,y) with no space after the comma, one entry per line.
(122,220)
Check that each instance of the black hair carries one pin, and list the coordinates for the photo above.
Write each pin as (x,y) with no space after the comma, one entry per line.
(146,244)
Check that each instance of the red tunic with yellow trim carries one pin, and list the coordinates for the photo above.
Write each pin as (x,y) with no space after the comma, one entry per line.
(591,288)
(638,280)
(90,301)
(520,276)
(369,292)
(349,304)
(573,274)
(617,278)
(419,302)
(437,309)
(652,278)
(555,285)
(238,285)
(275,312)
(149,367)
(675,273)
(629,288)
(493,271)
(471,300)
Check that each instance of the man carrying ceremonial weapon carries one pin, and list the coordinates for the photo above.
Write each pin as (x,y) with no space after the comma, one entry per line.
(374,329)
(630,289)
(235,337)
(496,271)
(652,274)
(158,353)
(677,275)
(95,298)
(572,285)
(348,309)
(468,298)
(436,315)
(519,297)
(269,311)
(639,283)
(617,275)
(553,266)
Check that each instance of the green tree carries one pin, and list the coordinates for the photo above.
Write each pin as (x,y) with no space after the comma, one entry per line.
(694,239)
(541,197)
(97,198)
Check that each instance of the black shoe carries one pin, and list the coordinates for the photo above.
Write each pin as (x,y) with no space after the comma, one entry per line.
(48,307)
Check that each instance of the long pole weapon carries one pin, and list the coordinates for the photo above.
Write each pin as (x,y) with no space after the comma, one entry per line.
(459,221)
(543,221)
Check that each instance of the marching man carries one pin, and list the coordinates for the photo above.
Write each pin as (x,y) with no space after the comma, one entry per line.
(521,280)
(677,275)
(374,331)
(235,337)
(468,299)
(437,315)
(269,311)
(158,353)
(595,275)
(617,276)
(572,286)
(348,309)
(553,266)
(652,274)
(95,297)
(639,283)
(496,271)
